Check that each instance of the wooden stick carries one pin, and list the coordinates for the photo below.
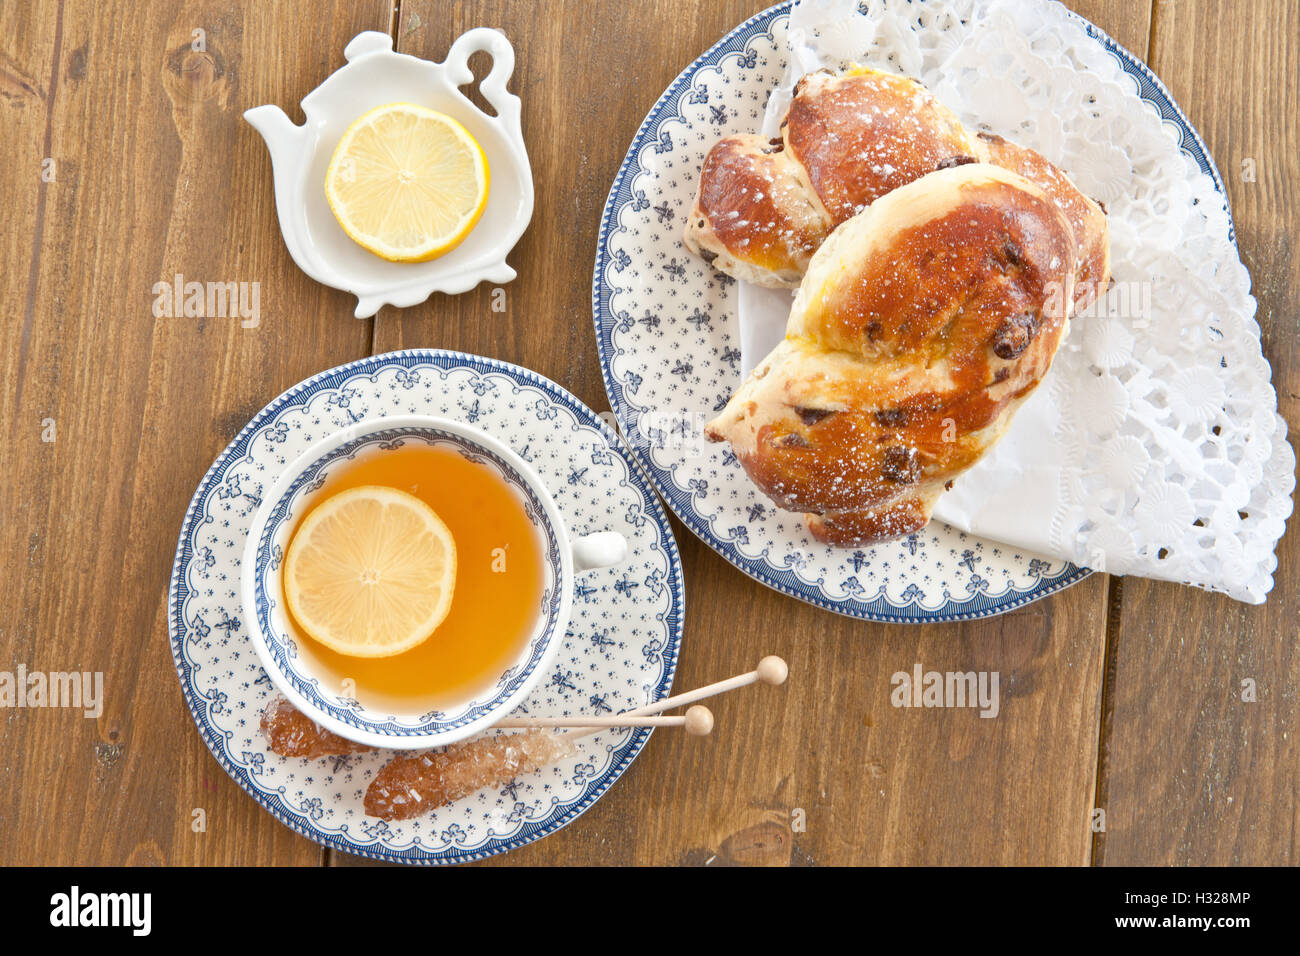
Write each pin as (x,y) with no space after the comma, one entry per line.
(697,721)
(771,670)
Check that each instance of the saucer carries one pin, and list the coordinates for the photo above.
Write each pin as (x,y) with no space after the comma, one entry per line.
(375,75)
(619,651)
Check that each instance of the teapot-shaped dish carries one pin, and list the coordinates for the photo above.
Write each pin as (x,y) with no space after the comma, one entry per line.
(373,76)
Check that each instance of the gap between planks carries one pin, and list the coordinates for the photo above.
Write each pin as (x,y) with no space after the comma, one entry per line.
(1114,609)
(34,271)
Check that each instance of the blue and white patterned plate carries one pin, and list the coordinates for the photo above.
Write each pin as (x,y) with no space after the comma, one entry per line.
(619,652)
(670,356)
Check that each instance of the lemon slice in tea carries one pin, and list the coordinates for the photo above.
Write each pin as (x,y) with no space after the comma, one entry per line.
(370,572)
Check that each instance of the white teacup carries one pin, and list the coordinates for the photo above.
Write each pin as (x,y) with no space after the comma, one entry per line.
(300,486)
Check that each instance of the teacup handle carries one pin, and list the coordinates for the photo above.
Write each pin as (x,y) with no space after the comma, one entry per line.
(493,86)
(599,550)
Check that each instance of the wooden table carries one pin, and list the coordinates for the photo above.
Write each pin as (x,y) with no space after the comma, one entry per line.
(124,161)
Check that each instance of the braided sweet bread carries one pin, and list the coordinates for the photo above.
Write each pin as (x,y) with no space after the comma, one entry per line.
(764,207)
(937,271)
(921,326)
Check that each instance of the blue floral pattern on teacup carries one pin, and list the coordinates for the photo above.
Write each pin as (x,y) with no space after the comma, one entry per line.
(298,498)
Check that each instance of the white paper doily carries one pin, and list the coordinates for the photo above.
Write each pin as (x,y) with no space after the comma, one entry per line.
(1154,447)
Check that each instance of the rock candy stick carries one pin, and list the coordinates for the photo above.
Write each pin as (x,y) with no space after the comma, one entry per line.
(291,733)
(410,785)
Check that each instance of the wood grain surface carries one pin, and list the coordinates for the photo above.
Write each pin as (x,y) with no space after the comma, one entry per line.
(1119,694)
(1194,773)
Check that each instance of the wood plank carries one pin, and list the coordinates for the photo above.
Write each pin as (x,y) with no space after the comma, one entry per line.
(876,784)
(29,75)
(1194,774)
(1127,22)
(158,175)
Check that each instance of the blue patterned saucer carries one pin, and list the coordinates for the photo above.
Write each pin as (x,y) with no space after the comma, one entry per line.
(670,356)
(619,651)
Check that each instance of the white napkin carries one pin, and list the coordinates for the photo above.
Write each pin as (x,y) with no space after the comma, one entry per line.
(1153,447)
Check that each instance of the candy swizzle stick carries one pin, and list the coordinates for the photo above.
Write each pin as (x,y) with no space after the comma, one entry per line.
(408,786)
(291,733)
(697,721)
(771,670)
(411,785)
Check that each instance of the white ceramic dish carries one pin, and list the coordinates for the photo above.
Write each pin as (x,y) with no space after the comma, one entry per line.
(294,671)
(373,76)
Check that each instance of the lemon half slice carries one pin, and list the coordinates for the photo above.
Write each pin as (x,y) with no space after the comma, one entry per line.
(370,572)
(407,183)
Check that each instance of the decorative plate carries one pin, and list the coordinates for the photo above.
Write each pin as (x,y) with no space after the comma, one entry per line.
(670,355)
(374,75)
(620,650)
